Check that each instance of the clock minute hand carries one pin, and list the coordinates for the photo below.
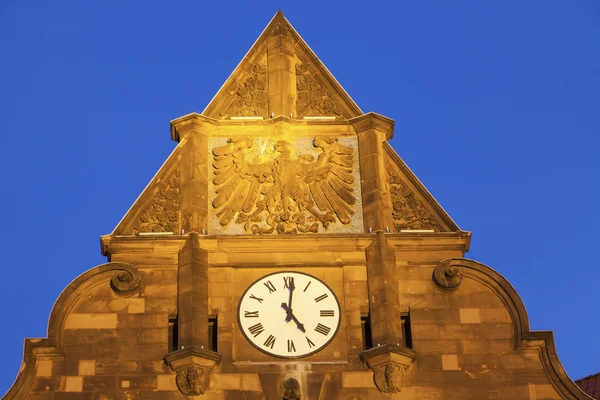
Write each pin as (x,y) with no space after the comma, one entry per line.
(291,316)
(291,286)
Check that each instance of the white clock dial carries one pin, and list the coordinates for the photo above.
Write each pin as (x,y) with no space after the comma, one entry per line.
(289,314)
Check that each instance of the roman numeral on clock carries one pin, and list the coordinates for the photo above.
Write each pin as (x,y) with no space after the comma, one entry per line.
(291,347)
(307,285)
(270,286)
(324,313)
(321,297)
(253,314)
(256,329)
(256,298)
(287,280)
(270,342)
(310,343)
(322,329)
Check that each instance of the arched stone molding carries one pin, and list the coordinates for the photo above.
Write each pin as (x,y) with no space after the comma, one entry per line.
(128,282)
(525,339)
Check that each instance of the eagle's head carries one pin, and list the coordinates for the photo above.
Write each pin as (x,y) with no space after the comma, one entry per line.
(283,147)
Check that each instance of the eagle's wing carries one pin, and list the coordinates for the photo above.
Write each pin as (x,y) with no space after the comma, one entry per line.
(237,180)
(330,178)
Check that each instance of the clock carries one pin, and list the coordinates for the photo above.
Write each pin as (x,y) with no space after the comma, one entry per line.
(289,314)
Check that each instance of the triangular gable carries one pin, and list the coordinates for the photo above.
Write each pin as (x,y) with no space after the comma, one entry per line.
(157,208)
(305,85)
(414,208)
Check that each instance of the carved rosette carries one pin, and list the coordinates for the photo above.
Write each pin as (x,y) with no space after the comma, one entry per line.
(407,210)
(250,99)
(389,364)
(192,381)
(291,390)
(447,278)
(312,98)
(126,281)
(162,214)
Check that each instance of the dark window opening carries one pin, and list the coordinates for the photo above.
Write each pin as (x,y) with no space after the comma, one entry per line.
(212,334)
(367,338)
(173,344)
(406,331)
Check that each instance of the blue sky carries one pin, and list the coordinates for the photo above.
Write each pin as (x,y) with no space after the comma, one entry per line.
(496,107)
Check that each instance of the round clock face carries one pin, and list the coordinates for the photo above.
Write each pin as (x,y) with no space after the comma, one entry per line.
(289,314)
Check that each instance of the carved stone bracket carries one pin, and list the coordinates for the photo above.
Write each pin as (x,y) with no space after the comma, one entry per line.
(126,281)
(291,390)
(193,366)
(389,364)
(447,278)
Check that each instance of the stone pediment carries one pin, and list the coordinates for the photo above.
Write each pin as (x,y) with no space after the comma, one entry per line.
(282,148)
(280,75)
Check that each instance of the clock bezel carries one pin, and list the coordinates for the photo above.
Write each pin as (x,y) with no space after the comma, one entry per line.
(278,355)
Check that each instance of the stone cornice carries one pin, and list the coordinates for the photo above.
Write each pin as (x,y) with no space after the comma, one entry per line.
(374,121)
(295,244)
(460,240)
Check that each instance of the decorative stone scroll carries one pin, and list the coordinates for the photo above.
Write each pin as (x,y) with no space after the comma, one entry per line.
(267,187)
(312,98)
(126,281)
(447,278)
(408,211)
(162,214)
(250,99)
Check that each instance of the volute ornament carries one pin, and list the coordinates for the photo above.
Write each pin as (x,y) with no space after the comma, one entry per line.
(192,381)
(126,282)
(281,191)
(446,277)
(389,378)
(291,390)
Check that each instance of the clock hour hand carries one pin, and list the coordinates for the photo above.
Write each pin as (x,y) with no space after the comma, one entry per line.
(292,317)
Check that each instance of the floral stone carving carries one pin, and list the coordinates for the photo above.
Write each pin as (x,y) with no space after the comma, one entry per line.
(162,214)
(272,188)
(291,390)
(408,211)
(250,99)
(312,98)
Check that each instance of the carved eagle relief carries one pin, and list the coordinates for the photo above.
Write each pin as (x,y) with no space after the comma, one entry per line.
(271,188)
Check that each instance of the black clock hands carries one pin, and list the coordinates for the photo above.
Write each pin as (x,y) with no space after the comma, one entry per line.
(291,286)
(289,315)
(292,317)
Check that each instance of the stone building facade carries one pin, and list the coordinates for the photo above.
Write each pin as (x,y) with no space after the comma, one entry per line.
(285,251)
